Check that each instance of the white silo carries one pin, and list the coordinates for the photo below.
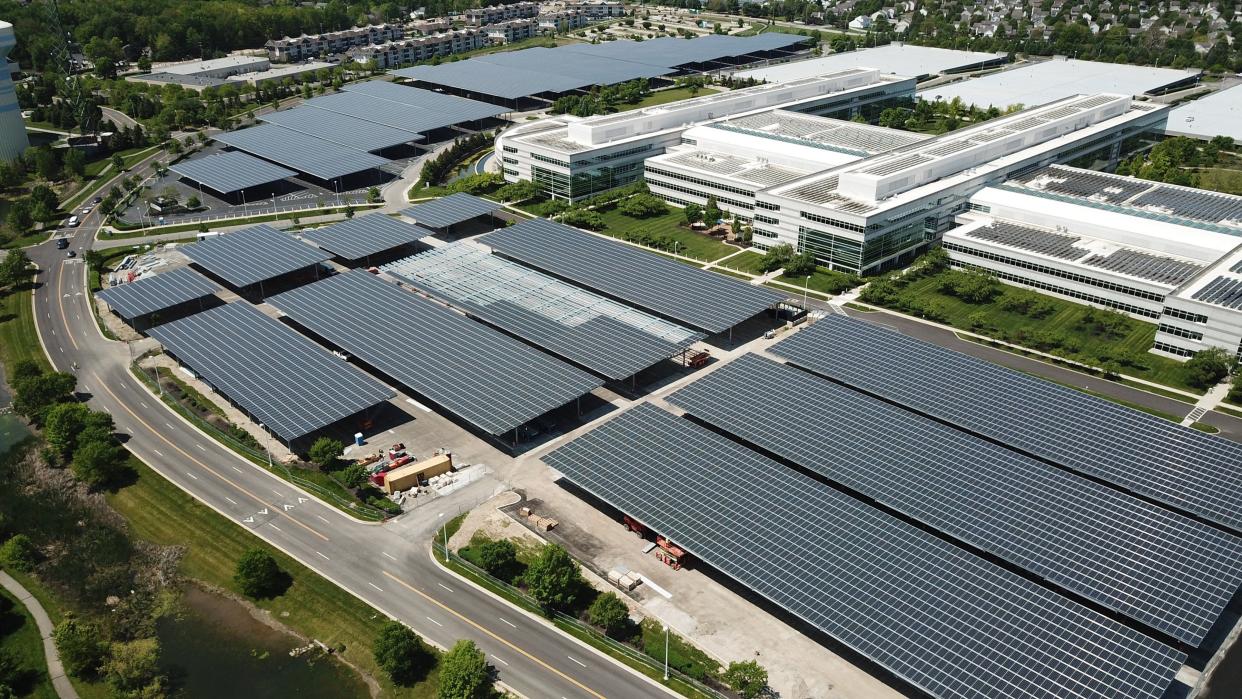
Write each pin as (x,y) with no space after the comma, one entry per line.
(13,141)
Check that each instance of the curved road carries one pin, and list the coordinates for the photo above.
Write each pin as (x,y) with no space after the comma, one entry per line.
(388,567)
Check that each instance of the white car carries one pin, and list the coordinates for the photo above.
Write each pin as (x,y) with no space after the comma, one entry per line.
(86,210)
(73,221)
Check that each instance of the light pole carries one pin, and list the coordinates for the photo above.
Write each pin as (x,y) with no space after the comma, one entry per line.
(666,654)
(805,284)
(444,530)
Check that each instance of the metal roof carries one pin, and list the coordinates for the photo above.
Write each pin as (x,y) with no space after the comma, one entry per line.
(230,171)
(1218,114)
(284,380)
(1042,82)
(252,255)
(314,156)
(340,129)
(606,337)
(458,109)
(700,299)
(942,619)
(483,376)
(1174,465)
(361,236)
(1163,569)
(491,79)
(892,59)
(159,292)
(450,210)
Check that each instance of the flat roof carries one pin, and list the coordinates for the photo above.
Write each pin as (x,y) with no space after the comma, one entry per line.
(313,156)
(453,209)
(820,132)
(195,67)
(230,171)
(290,384)
(602,335)
(938,617)
(481,375)
(340,129)
(1218,114)
(891,59)
(252,255)
(362,236)
(1170,572)
(1048,81)
(700,299)
(158,292)
(1180,467)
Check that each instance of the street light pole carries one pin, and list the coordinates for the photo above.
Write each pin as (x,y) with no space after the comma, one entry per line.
(444,530)
(805,284)
(666,654)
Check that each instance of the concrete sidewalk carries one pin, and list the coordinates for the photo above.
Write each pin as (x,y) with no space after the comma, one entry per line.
(64,689)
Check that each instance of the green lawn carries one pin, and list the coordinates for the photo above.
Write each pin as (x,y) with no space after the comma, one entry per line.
(825,281)
(748,262)
(18,338)
(674,94)
(1221,180)
(20,640)
(689,243)
(161,513)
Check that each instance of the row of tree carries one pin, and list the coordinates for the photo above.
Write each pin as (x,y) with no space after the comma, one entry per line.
(602,99)
(436,170)
(1173,160)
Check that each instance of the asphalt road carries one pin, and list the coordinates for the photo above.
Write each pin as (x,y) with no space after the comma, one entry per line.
(387,566)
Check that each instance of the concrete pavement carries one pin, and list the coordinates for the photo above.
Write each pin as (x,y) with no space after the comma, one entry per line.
(56,671)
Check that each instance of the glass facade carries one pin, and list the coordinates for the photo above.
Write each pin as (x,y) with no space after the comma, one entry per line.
(1052,271)
(836,251)
(1045,286)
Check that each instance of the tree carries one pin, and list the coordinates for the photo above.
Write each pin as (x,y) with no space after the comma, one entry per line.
(498,557)
(258,575)
(14,268)
(47,165)
(62,425)
(1207,368)
(97,463)
(75,163)
(133,668)
(464,673)
(693,213)
(643,206)
(746,677)
(193,202)
(81,649)
(325,451)
(105,54)
(584,218)
(373,194)
(711,212)
(777,257)
(518,191)
(19,553)
(21,216)
(401,654)
(609,613)
(553,578)
(800,265)
(33,395)
(118,162)
(354,476)
(11,670)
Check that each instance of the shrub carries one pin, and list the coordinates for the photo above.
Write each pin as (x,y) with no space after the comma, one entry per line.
(258,575)
(498,557)
(584,218)
(325,451)
(609,613)
(1207,368)
(81,649)
(643,206)
(553,578)
(354,476)
(464,673)
(401,654)
(747,678)
(19,553)
(971,287)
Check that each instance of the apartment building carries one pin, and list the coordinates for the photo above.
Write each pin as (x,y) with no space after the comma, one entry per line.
(292,49)
(421,48)
(482,16)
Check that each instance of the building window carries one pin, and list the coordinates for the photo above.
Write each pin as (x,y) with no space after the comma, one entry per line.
(1052,271)
(701,182)
(835,223)
(694,192)
(765,233)
(553,161)
(1181,332)
(511,172)
(1173,349)
(981,208)
(768,205)
(766,219)
(509,149)
(835,250)
(510,161)
(1185,315)
(1044,286)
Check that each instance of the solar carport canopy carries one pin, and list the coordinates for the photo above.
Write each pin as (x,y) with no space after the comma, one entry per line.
(158,293)
(486,378)
(284,380)
(415,120)
(453,209)
(934,615)
(704,300)
(1168,571)
(606,337)
(313,156)
(361,236)
(340,129)
(252,255)
(1180,467)
(230,171)
(451,109)
(492,79)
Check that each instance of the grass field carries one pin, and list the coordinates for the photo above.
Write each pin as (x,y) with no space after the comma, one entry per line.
(20,640)
(824,281)
(1221,180)
(688,243)
(18,338)
(673,94)
(160,512)
(748,262)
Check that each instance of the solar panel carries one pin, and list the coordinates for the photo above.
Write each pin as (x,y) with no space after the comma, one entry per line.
(313,156)
(458,109)
(1180,467)
(604,336)
(491,79)
(158,292)
(361,236)
(1165,570)
(252,255)
(341,129)
(1222,291)
(230,171)
(284,380)
(1028,238)
(697,298)
(934,615)
(1157,268)
(450,210)
(486,378)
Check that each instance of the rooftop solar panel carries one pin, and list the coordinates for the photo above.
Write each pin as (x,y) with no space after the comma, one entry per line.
(1180,467)
(697,298)
(486,378)
(1157,268)
(284,380)
(934,615)
(230,171)
(362,236)
(314,156)
(604,336)
(341,129)
(1165,570)
(1029,238)
(252,255)
(158,292)
(451,210)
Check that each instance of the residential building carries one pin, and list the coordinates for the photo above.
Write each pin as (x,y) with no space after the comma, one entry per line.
(482,16)
(596,9)
(291,49)
(421,48)
(511,30)
(562,21)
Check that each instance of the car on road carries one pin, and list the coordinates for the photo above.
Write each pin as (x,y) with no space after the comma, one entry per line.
(97,200)
(71,253)
(74,221)
(86,210)
(62,243)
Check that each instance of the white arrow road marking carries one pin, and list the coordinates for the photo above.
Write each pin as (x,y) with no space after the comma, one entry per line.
(249,520)
(302,499)
(287,507)
(263,511)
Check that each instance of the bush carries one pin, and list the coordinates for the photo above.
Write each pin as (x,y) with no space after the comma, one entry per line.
(354,476)
(464,673)
(584,218)
(609,613)
(258,575)
(553,578)
(401,654)
(693,213)
(325,452)
(98,463)
(777,257)
(643,206)
(971,287)
(19,553)
(1207,368)
(747,678)
(81,650)
(800,265)
(132,669)
(498,557)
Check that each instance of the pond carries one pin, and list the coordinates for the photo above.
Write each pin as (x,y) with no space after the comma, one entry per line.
(217,649)
(12,431)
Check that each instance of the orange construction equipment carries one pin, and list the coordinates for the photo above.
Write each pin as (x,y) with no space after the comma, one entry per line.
(633,525)
(670,554)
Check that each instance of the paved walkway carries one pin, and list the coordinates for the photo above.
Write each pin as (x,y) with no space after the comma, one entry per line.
(64,689)
(1210,400)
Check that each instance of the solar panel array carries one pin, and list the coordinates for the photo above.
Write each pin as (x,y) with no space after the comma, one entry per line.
(341,129)
(486,378)
(1222,291)
(1178,466)
(449,107)
(1165,570)
(934,615)
(362,236)
(284,380)
(1085,184)
(700,299)
(252,255)
(405,108)
(451,210)
(1157,268)
(1028,238)
(230,171)
(1191,203)
(313,156)
(604,336)
(157,293)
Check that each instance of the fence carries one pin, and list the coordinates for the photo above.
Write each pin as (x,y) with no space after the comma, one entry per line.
(596,638)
